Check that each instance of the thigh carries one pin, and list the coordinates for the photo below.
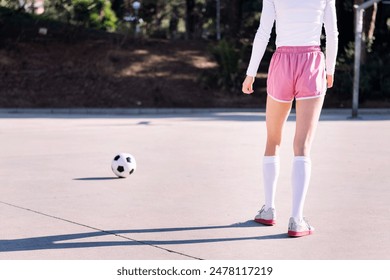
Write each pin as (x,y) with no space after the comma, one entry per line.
(276,116)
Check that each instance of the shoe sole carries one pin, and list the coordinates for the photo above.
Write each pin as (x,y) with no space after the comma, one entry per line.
(265,222)
(299,233)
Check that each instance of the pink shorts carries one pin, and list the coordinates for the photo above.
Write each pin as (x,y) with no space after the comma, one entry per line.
(296,72)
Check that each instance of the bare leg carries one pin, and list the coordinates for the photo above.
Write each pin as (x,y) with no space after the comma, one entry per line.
(276,116)
(307,116)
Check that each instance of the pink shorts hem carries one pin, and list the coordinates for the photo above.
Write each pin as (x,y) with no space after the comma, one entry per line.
(311,97)
(299,98)
(279,100)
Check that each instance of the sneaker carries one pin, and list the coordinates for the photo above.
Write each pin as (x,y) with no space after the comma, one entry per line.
(266,217)
(297,229)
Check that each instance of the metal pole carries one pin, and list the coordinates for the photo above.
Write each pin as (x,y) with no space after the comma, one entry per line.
(136,30)
(218,23)
(136,6)
(33,7)
(358,48)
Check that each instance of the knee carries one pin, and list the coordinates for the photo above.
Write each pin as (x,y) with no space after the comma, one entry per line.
(301,149)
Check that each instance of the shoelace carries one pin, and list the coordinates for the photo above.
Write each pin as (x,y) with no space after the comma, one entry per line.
(307,223)
(262,210)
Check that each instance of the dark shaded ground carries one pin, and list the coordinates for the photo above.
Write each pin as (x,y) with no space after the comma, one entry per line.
(98,73)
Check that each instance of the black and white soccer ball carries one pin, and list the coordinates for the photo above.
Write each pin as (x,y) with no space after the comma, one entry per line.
(123,165)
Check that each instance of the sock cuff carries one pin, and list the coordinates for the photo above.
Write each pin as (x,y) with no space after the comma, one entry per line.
(271,159)
(302,158)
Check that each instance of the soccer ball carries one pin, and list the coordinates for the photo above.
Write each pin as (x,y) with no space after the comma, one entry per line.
(123,165)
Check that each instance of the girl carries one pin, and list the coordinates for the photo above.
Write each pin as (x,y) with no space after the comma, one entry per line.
(297,70)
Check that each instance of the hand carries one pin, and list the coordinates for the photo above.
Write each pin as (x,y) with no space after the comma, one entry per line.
(247,85)
(329,80)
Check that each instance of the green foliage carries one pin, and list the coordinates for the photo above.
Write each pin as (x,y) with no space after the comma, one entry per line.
(61,10)
(13,4)
(94,13)
(228,59)
(374,75)
(82,10)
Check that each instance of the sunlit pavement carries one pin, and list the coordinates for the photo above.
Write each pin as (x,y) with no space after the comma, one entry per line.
(197,187)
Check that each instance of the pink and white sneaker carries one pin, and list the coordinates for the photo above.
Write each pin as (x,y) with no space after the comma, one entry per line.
(266,217)
(299,228)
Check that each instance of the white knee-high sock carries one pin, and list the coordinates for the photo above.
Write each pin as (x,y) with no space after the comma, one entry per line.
(300,183)
(271,167)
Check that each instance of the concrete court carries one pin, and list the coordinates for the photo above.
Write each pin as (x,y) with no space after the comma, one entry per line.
(196,188)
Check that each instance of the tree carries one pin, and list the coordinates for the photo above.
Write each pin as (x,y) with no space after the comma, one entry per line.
(190,18)
(234,14)
(368,29)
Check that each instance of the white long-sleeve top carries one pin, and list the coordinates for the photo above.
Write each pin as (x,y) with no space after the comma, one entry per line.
(298,23)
